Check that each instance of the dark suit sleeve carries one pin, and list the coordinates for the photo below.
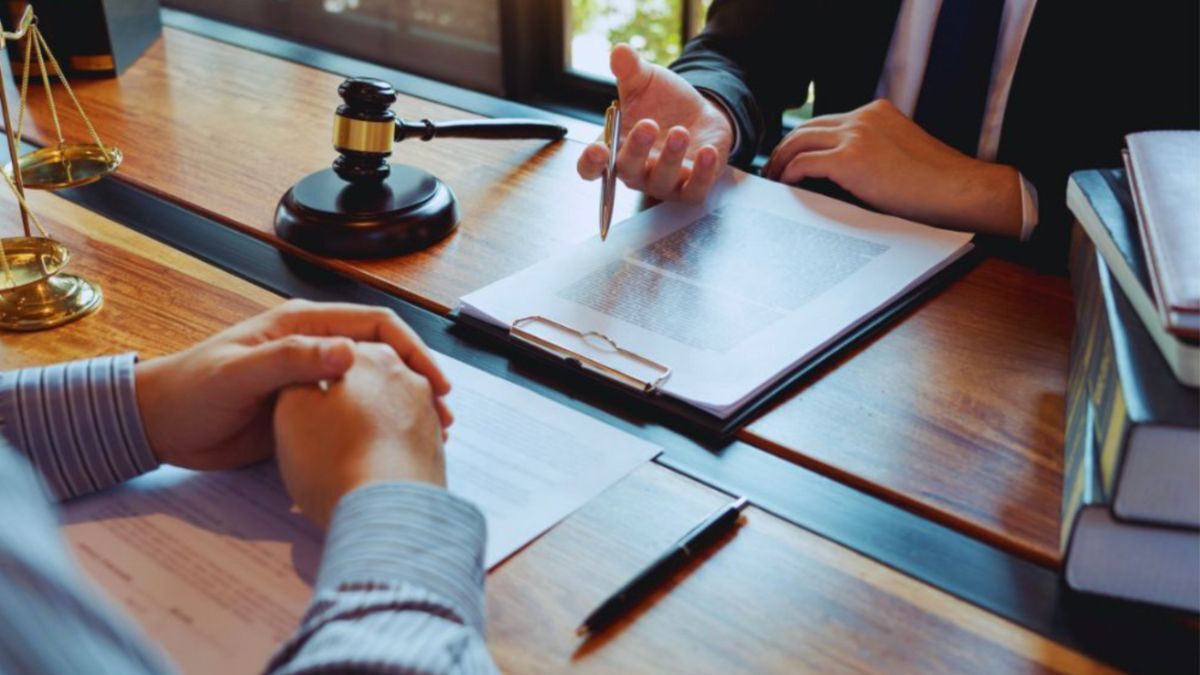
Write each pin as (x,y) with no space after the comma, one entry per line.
(750,57)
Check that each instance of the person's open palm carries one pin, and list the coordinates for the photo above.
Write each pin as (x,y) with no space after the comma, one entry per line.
(674,140)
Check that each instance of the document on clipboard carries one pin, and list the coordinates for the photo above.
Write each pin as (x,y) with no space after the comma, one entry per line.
(714,304)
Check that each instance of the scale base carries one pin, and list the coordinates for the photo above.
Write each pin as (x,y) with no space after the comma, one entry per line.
(407,211)
(34,293)
(51,302)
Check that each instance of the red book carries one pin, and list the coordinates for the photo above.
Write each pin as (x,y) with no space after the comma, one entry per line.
(1164,172)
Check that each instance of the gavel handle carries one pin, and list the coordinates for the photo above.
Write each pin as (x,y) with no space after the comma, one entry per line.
(502,129)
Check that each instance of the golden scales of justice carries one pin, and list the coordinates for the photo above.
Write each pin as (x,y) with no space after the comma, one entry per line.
(35,294)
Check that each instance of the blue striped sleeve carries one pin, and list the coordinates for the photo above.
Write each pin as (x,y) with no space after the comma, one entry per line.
(51,622)
(78,423)
(400,588)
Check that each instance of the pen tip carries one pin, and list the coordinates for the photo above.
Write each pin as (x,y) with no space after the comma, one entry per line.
(582,630)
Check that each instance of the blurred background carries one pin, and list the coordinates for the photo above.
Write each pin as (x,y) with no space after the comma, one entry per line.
(550,53)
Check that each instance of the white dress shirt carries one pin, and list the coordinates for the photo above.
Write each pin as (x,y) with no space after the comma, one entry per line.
(904,71)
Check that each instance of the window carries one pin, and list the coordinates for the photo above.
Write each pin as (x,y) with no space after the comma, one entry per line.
(656,28)
(457,41)
(550,53)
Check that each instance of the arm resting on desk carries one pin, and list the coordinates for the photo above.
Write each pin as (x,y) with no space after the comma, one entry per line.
(400,588)
(401,583)
(77,423)
(50,620)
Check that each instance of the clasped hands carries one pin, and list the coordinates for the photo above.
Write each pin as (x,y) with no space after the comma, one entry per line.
(250,391)
(677,139)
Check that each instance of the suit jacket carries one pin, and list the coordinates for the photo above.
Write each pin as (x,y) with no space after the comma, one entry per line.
(1088,73)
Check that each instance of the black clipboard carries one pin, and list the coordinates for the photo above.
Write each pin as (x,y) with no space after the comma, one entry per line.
(686,418)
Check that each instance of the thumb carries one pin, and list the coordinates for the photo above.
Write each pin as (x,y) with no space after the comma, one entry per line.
(294,359)
(632,73)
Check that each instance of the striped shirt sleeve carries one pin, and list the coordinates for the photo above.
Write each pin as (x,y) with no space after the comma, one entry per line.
(78,423)
(51,622)
(400,588)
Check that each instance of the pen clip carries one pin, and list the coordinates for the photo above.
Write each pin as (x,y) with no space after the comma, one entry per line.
(612,129)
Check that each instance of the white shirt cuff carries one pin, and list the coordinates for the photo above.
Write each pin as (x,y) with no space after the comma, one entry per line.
(1029,208)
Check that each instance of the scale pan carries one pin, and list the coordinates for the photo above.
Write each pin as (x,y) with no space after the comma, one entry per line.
(67,165)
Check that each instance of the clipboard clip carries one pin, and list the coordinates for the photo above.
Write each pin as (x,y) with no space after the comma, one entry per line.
(637,371)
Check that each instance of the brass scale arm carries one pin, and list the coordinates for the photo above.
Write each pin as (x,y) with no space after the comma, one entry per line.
(22,29)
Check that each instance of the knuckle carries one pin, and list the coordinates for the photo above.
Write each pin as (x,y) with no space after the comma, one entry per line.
(420,385)
(294,345)
(295,305)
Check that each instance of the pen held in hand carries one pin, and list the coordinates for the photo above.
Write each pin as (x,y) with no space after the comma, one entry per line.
(608,189)
(698,539)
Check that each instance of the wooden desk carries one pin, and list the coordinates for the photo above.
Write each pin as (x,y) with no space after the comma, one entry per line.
(773,598)
(956,413)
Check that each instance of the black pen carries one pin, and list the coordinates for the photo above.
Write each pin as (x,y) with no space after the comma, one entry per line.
(695,541)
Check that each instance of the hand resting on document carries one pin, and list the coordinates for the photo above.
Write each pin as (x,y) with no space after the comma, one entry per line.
(210,406)
(377,423)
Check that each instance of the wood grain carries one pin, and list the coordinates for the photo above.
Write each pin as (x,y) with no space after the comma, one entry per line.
(226,132)
(771,598)
(957,413)
(156,301)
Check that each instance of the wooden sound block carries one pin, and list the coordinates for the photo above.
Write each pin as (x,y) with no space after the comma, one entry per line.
(408,210)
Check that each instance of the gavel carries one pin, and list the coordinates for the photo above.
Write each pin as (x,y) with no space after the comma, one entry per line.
(365,129)
(365,207)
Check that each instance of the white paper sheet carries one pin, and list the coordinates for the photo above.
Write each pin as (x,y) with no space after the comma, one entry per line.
(218,568)
(733,294)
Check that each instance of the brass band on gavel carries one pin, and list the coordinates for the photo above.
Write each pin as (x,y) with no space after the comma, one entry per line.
(363,135)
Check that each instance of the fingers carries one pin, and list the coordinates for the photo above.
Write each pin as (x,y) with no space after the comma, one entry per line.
(705,169)
(633,156)
(382,356)
(444,414)
(667,174)
(816,164)
(803,139)
(364,324)
(633,74)
(290,360)
(593,161)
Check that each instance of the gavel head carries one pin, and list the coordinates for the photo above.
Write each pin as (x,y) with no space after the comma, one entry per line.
(364,128)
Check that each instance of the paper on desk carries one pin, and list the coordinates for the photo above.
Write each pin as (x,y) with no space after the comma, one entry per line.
(733,294)
(218,568)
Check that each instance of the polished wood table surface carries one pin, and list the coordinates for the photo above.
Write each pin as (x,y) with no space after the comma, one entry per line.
(955,413)
(772,598)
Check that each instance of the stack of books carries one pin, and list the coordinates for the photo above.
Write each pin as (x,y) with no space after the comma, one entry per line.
(1131,488)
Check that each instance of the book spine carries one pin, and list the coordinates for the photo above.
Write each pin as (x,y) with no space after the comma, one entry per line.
(1110,418)
(1094,375)
(1090,334)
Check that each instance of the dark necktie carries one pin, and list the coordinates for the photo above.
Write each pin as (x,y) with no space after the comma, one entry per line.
(954,92)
